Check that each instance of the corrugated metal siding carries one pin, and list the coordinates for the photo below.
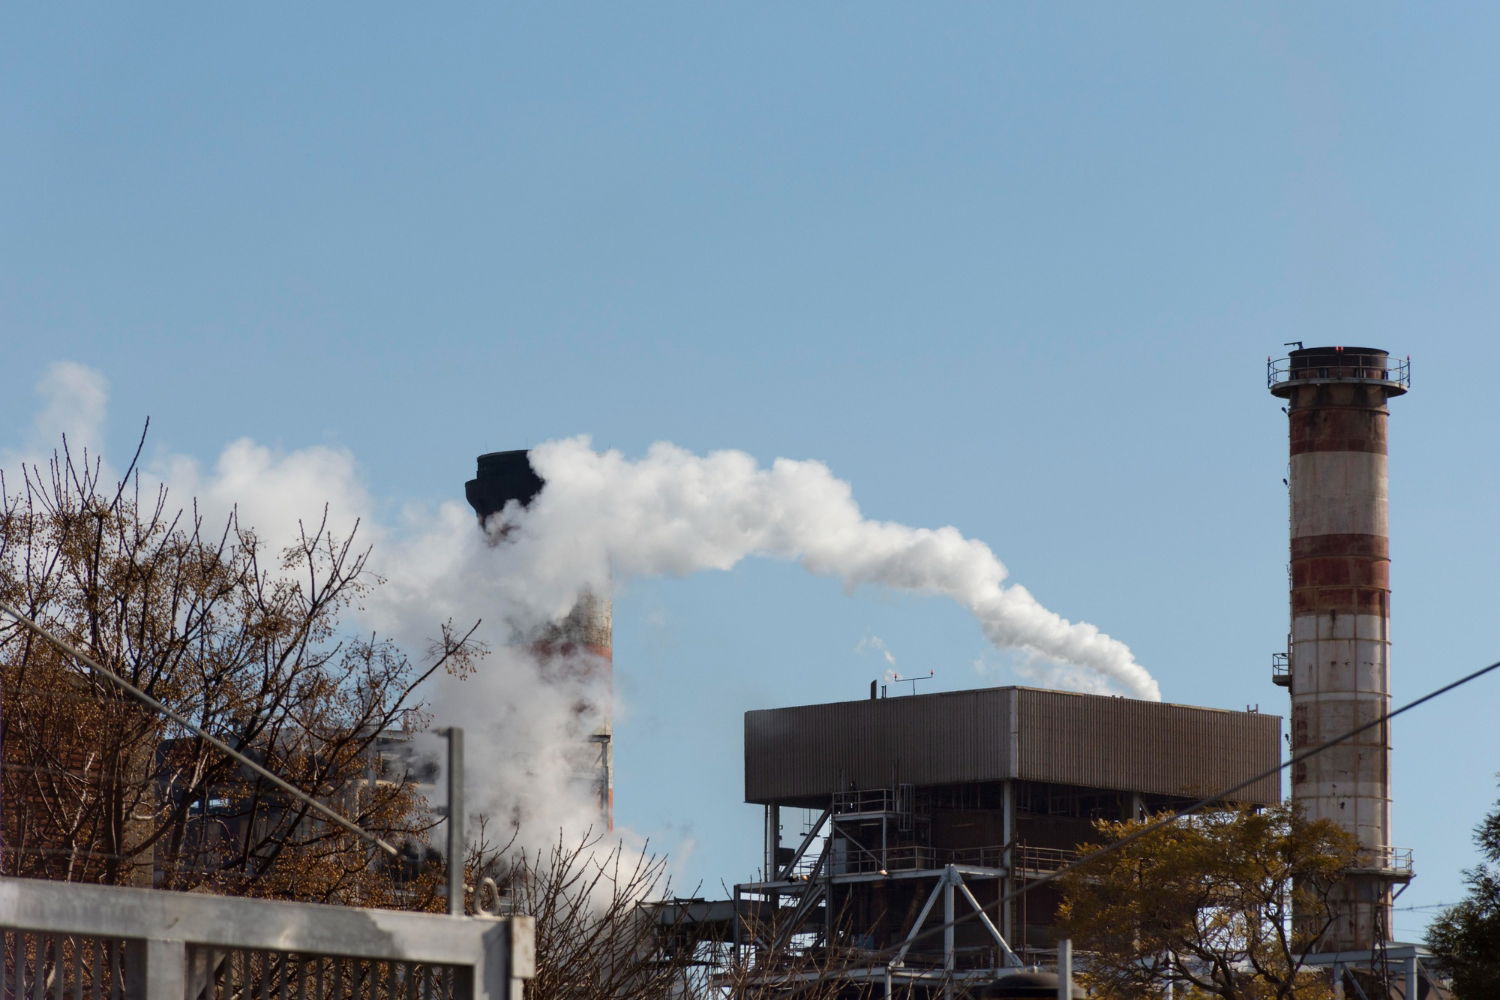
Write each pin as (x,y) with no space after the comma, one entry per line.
(1146,746)
(1092,741)
(814,750)
(947,737)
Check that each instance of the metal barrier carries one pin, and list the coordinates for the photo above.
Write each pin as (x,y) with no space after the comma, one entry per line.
(865,800)
(1042,860)
(1348,366)
(68,941)
(1281,669)
(1025,860)
(1389,860)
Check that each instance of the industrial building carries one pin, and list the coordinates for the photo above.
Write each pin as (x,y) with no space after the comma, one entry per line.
(923,808)
(928,807)
(887,818)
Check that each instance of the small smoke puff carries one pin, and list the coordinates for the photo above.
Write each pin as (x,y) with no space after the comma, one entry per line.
(878,644)
(74,399)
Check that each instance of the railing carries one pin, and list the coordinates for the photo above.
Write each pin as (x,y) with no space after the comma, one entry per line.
(1024,859)
(1281,669)
(1344,366)
(803,869)
(978,857)
(1389,860)
(905,859)
(866,800)
(67,941)
(1041,860)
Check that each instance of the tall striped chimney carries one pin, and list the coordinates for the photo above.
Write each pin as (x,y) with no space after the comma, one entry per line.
(582,640)
(1339,664)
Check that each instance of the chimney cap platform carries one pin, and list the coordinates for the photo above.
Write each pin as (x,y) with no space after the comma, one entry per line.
(1344,365)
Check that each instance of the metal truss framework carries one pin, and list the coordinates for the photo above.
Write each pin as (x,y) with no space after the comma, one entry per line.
(865,841)
(1398,966)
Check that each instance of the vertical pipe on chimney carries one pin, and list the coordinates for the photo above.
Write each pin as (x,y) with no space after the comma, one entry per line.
(1340,612)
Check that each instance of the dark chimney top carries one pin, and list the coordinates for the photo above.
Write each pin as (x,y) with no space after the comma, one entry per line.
(502,476)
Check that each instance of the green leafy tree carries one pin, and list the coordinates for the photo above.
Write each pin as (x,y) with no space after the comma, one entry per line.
(1466,937)
(1207,904)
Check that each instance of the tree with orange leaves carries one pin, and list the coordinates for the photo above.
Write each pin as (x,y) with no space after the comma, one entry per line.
(1223,904)
(99,788)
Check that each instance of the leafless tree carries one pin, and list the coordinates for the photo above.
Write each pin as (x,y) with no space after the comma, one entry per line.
(99,788)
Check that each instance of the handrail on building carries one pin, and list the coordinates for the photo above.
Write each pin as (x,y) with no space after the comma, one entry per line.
(1350,366)
(1281,669)
(1395,861)
(866,800)
(149,944)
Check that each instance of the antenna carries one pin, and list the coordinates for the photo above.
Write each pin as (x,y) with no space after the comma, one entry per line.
(913,680)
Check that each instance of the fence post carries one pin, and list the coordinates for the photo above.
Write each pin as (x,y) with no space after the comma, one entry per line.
(507,959)
(155,969)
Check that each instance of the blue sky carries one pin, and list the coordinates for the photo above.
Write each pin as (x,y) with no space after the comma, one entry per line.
(1010,267)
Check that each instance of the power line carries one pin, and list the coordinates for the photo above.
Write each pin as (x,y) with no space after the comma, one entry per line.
(69,649)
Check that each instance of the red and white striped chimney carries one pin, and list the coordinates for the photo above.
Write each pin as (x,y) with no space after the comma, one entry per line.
(1339,646)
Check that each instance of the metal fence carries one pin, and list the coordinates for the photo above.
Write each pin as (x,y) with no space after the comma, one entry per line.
(1336,364)
(66,941)
(1395,860)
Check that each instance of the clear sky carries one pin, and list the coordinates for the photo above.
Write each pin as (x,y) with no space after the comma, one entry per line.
(1013,267)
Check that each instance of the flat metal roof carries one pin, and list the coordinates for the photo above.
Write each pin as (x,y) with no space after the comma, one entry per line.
(808,752)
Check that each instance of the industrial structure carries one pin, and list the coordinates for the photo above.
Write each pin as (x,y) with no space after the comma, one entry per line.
(1337,664)
(581,641)
(916,811)
(927,807)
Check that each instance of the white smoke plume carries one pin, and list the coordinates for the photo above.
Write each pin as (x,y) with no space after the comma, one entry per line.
(673,513)
(874,642)
(601,519)
(527,756)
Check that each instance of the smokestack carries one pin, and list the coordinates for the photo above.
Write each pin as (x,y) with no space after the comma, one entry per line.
(1339,645)
(581,640)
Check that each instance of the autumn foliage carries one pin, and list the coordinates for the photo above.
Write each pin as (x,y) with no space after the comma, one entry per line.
(251,646)
(1227,904)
